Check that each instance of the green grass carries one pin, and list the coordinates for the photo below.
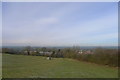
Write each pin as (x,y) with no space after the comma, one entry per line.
(0,66)
(23,66)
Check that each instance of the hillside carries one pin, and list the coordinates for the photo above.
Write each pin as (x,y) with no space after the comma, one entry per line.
(23,66)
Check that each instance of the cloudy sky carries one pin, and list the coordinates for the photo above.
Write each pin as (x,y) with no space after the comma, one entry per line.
(0,24)
(60,23)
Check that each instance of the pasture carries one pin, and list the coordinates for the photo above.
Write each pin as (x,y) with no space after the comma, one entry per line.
(23,66)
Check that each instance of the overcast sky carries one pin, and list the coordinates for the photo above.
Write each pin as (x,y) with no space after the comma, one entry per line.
(60,24)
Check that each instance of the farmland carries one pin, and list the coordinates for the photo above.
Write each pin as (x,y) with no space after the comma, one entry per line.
(23,66)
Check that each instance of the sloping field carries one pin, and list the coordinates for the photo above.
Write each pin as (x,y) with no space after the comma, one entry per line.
(23,66)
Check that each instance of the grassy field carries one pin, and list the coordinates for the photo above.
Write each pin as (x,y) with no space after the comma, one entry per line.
(0,66)
(23,66)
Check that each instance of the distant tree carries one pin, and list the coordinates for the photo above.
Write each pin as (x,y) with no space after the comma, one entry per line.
(58,53)
(37,50)
(28,48)
(44,49)
(5,50)
(76,47)
(53,54)
(9,50)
